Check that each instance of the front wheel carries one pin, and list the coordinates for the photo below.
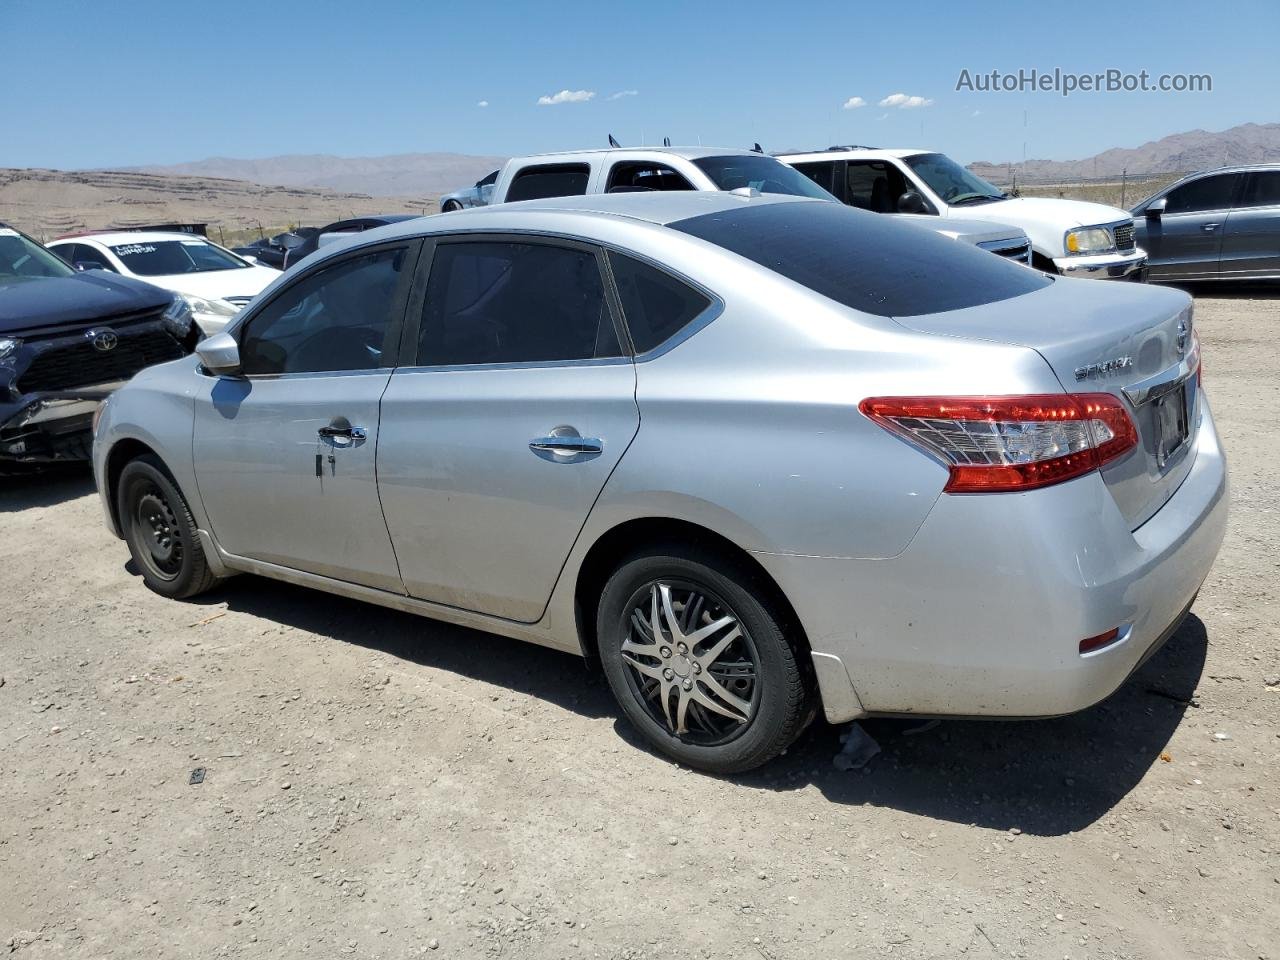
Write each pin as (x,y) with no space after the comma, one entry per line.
(699,658)
(160,531)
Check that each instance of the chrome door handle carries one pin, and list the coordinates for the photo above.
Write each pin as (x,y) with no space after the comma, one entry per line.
(1209,227)
(566,446)
(341,427)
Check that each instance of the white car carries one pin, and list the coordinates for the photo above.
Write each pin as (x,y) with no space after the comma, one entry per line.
(1070,237)
(214,281)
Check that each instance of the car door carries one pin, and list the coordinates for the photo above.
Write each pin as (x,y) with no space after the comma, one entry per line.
(1184,240)
(1251,237)
(516,401)
(284,453)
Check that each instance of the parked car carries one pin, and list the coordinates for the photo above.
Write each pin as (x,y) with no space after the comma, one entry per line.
(646,170)
(660,431)
(1221,224)
(473,196)
(67,339)
(214,281)
(274,251)
(1069,237)
(339,230)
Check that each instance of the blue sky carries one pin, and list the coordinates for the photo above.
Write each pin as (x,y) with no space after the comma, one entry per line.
(105,84)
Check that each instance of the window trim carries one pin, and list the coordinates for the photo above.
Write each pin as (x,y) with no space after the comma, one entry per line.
(408,359)
(395,329)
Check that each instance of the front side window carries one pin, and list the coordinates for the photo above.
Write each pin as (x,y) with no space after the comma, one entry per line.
(875,185)
(761,173)
(952,182)
(1207,193)
(507,302)
(21,258)
(87,254)
(655,304)
(550,180)
(629,176)
(1262,190)
(336,319)
(162,258)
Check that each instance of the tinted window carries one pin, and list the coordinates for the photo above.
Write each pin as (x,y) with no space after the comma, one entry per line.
(87,254)
(760,173)
(21,258)
(645,176)
(1207,193)
(514,303)
(655,304)
(874,264)
(336,319)
(1262,190)
(552,180)
(874,185)
(822,172)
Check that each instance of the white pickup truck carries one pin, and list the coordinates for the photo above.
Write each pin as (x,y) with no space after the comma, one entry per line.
(1070,237)
(623,170)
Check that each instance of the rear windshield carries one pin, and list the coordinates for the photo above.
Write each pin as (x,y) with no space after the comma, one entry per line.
(871,262)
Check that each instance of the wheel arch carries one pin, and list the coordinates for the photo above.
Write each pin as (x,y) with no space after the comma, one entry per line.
(118,457)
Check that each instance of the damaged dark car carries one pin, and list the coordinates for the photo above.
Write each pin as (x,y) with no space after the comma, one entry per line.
(67,339)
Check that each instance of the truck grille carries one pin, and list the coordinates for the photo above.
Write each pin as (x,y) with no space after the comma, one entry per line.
(1124,236)
(81,365)
(1011,250)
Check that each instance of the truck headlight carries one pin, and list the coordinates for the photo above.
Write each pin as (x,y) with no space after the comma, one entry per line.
(1090,240)
(177,317)
(8,345)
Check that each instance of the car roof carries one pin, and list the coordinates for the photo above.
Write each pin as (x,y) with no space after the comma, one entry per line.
(688,153)
(864,153)
(118,237)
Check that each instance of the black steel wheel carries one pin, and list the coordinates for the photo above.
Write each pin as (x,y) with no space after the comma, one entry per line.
(160,531)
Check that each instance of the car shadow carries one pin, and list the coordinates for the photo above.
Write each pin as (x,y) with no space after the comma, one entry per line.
(560,678)
(1231,289)
(1045,777)
(43,486)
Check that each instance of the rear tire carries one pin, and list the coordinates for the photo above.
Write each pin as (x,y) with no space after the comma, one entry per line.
(160,531)
(725,698)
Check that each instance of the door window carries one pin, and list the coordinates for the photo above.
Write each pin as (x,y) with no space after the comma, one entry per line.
(87,254)
(822,172)
(629,176)
(550,180)
(874,185)
(1262,190)
(1207,193)
(655,304)
(341,317)
(506,302)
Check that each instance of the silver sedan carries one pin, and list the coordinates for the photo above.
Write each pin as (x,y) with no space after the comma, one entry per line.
(758,456)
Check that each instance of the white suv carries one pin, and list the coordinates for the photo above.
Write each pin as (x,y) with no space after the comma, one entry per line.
(1070,237)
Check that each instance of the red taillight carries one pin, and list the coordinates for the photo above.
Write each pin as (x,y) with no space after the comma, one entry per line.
(1090,644)
(1000,444)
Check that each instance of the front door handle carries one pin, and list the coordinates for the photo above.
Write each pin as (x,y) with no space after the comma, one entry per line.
(340,427)
(1209,227)
(566,444)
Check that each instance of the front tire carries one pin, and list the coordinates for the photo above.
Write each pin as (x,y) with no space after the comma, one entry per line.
(699,657)
(160,531)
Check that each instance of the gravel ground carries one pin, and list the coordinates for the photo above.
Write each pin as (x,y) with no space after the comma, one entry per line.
(377,785)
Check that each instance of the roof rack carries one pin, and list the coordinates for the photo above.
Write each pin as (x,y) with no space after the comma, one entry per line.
(851,146)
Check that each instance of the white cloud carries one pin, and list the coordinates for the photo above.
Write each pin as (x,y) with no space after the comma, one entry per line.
(904,102)
(976,113)
(623,93)
(566,96)
(483,103)
(853,103)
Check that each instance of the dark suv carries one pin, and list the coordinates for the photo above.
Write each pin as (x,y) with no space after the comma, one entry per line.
(67,339)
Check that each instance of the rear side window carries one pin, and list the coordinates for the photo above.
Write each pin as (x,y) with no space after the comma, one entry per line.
(550,180)
(630,176)
(501,302)
(875,264)
(655,304)
(1262,190)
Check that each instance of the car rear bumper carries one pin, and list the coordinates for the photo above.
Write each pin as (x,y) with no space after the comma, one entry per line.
(983,613)
(1105,266)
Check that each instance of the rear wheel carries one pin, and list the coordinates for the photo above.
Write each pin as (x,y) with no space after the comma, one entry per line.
(699,659)
(160,531)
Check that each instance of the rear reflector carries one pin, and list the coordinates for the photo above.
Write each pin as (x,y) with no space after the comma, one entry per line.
(1091,644)
(1002,444)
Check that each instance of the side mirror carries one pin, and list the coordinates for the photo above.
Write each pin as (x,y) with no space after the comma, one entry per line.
(911,202)
(1155,210)
(220,354)
(83,265)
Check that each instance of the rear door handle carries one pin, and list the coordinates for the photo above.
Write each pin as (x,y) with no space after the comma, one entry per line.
(565,443)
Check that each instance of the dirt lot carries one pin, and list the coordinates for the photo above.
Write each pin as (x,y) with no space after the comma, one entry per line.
(381,786)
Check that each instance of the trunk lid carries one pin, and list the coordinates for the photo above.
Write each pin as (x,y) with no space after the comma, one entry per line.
(1129,340)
